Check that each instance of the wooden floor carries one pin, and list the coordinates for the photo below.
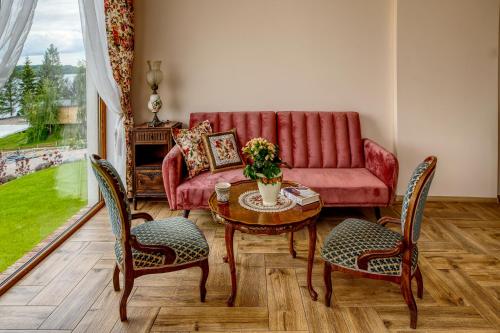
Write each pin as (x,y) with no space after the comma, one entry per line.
(459,258)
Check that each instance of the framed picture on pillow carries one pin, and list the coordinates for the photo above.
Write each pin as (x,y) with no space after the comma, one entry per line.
(222,151)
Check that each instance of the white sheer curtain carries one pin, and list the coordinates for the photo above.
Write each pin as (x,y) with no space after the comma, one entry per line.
(16,17)
(100,71)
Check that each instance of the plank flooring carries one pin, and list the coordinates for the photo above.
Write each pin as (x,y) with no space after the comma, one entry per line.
(71,290)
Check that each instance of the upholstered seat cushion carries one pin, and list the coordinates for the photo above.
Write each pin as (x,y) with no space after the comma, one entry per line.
(178,233)
(352,237)
(195,192)
(342,186)
(337,187)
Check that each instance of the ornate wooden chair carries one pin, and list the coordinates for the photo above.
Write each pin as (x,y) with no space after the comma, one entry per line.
(153,247)
(371,250)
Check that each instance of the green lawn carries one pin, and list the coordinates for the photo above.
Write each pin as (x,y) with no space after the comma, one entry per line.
(19,140)
(33,206)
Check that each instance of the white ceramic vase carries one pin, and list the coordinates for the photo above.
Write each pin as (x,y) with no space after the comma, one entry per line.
(154,103)
(269,189)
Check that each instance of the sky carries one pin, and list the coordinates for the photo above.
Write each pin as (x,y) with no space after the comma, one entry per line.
(56,22)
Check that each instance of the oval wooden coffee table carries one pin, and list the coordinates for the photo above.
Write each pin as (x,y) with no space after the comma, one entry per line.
(236,217)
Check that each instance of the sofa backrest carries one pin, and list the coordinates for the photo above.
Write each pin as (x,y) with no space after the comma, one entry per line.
(320,139)
(248,124)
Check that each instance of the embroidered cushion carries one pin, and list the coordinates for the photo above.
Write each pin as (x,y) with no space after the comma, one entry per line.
(191,144)
(222,151)
(352,237)
(178,233)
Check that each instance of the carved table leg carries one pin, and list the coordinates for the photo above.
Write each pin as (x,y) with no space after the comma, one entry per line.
(290,246)
(310,259)
(229,233)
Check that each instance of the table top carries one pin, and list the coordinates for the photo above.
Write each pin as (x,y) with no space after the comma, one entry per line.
(234,212)
(168,124)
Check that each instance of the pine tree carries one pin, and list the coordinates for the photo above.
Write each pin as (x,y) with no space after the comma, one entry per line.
(9,97)
(27,84)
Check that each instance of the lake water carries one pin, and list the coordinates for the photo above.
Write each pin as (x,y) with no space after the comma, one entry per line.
(11,129)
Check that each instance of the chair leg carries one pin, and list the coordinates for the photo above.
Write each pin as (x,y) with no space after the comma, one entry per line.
(420,283)
(410,301)
(116,278)
(204,275)
(327,275)
(378,215)
(127,289)
(185,213)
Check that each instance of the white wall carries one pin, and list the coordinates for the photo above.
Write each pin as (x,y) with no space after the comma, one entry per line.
(431,90)
(237,55)
(447,86)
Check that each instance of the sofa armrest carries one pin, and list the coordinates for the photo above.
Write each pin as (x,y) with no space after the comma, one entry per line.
(382,164)
(172,174)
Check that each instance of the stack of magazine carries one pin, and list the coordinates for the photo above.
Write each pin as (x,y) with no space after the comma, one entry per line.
(301,195)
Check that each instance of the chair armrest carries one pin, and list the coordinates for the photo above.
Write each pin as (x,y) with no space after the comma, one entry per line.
(165,250)
(388,219)
(172,174)
(383,164)
(366,256)
(142,215)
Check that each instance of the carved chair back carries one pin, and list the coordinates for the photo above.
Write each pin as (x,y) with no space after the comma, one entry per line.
(414,200)
(115,197)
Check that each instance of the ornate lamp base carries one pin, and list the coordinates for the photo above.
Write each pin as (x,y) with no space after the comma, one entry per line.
(155,122)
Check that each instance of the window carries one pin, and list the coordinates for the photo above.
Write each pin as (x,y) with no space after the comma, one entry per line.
(49,125)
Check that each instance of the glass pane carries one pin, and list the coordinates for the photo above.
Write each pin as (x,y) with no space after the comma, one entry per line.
(45,126)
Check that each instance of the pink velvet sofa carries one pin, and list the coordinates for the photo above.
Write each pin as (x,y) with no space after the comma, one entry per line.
(325,149)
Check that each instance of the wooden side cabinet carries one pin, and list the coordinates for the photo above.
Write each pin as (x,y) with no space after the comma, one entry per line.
(149,147)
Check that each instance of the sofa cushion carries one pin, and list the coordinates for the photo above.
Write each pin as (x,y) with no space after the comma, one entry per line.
(248,125)
(192,148)
(342,187)
(320,139)
(337,187)
(194,193)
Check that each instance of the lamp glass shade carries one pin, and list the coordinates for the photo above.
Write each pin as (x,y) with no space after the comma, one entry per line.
(154,75)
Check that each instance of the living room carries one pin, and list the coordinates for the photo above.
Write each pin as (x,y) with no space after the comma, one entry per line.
(377,107)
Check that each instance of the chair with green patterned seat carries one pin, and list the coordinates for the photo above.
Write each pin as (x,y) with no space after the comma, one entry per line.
(152,247)
(371,250)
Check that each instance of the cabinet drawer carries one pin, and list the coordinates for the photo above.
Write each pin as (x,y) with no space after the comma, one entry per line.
(149,181)
(152,136)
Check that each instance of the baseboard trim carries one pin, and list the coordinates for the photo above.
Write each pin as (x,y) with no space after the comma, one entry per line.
(436,198)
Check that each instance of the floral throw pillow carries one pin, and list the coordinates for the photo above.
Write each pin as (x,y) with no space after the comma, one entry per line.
(222,151)
(191,144)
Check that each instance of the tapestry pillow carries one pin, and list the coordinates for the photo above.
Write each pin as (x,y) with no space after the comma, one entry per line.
(222,151)
(191,144)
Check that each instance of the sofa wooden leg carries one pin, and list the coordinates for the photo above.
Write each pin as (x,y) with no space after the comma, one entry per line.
(378,215)
(185,213)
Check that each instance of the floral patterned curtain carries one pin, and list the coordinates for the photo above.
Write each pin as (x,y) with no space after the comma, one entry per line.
(120,30)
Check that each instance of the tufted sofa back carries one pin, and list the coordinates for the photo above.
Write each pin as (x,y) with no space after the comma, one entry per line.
(306,139)
(248,124)
(320,139)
